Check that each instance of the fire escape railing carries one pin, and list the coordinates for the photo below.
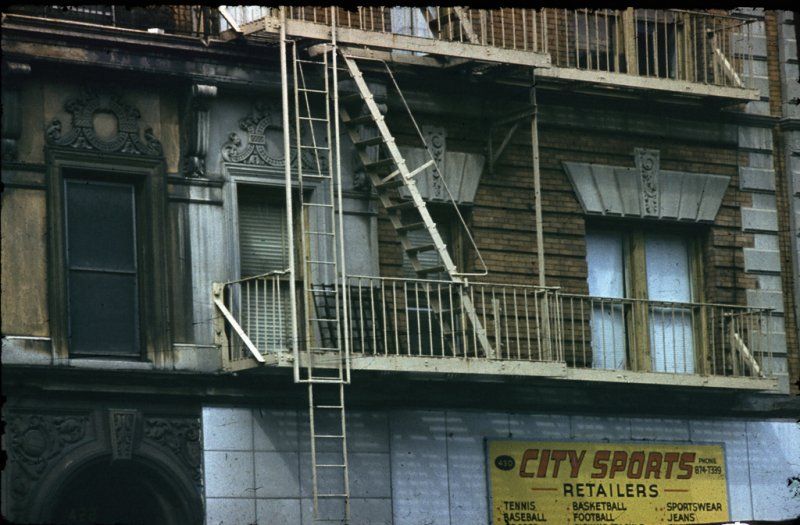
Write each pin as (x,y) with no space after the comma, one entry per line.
(395,318)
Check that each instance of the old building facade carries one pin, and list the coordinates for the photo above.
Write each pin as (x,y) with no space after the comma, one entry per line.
(599,245)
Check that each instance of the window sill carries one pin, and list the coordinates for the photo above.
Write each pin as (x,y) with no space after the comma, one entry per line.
(108,364)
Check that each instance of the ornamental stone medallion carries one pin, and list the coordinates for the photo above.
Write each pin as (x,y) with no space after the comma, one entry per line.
(105,123)
(261,143)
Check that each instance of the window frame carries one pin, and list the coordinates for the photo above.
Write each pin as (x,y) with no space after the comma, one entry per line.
(147,175)
(99,178)
(635,286)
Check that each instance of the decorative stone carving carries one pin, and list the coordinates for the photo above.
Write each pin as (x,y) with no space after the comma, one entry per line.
(461,171)
(122,428)
(264,144)
(83,135)
(647,162)
(36,441)
(12,108)
(435,141)
(181,436)
(197,126)
(647,191)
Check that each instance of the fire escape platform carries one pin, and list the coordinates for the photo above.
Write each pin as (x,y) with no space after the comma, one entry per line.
(267,28)
(505,368)
(622,81)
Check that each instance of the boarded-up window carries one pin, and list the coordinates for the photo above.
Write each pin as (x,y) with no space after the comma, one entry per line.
(102,268)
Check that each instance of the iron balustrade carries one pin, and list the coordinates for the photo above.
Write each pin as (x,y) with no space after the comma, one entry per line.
(698,47)
(416,318)
(190,20)
(655,336)
(255,317)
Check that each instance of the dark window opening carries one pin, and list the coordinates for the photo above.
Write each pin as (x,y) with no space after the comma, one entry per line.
(102,268)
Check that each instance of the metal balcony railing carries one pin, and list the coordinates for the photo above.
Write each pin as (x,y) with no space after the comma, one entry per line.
(691,46)
(189,20)
(656,336)
(255,317)
(413,318)
(425,318)
(697,47)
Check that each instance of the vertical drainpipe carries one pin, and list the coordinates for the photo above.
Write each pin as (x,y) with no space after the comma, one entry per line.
(288,175)
(537,187)
(549,344)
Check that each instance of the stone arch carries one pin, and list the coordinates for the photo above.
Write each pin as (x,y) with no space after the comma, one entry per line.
(89,486)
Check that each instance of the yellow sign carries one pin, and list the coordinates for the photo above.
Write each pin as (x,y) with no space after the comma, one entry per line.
(597,483)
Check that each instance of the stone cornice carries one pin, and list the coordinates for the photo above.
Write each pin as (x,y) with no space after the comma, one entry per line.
(29,39)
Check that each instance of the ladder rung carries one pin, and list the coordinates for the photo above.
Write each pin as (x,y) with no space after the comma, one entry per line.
(329,436)
(338,407)
(321,148)
(411,227)
(330,465)
(434,269)
(324,348)
(404,205)
(424,248)
(317,62)
(332,496)
(350,97)
(319,233)
(322,290)
(314,119)
(322,320)
(327,380)
(360,119)
(315,176)
(312,261)
(379,164)
(318,204)
(306,90)
(372,141)
(392,182)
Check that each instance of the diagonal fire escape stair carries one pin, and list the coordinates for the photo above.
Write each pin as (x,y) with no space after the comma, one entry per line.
(390,173)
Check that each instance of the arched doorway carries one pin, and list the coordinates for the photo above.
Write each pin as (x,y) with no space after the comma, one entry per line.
(126,492)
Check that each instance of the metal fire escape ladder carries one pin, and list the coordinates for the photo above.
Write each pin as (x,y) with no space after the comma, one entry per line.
(400,175)
(322,357)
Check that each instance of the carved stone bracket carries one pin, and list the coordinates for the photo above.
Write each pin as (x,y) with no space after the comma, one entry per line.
(122,429)
(83,136)
(36,441)
(197,126)
(12,108)
(435,140)
(647,162)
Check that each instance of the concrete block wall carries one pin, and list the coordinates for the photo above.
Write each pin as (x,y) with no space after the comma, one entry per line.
(757,177)
(410,467)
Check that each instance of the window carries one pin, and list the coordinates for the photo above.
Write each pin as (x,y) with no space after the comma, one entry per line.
(410,21)
(655,41)
(102,268)
(596,39)
(646,280)
(263,247)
